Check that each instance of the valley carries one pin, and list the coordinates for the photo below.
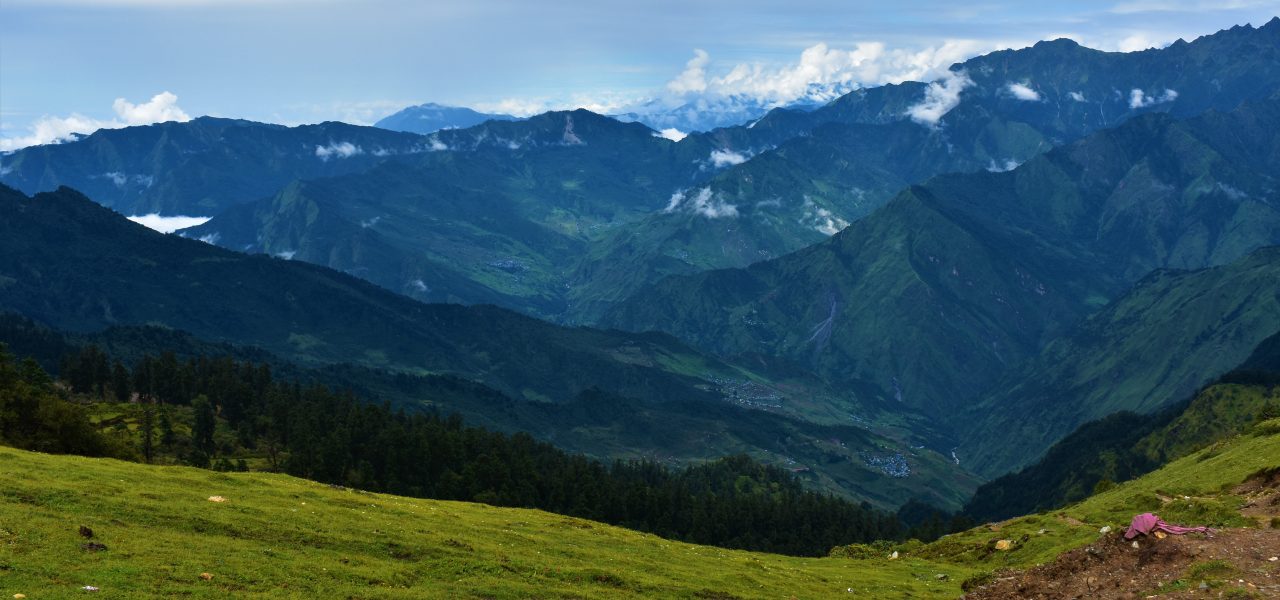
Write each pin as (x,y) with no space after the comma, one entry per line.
(929,321)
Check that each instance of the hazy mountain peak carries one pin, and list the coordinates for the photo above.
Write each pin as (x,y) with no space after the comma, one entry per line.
(431,117)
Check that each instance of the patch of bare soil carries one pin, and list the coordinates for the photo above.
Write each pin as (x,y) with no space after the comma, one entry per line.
(1233,563)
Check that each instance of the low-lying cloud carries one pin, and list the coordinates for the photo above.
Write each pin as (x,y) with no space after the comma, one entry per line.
(168,224)
(1003,166)
(1140,99)
(672,134)
(1023,92)
(704,202)
(727,158)
(338,150)
(52,130)
(822,220)
(939,98)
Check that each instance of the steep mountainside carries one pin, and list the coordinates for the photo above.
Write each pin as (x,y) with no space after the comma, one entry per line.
(432,117)
(200,167)
(71,264)
(502,220)
(1174,332)
(955,281)
(816,171)
(1122,446)
(1067,91)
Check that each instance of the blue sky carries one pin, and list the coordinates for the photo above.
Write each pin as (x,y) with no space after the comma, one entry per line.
(65,63)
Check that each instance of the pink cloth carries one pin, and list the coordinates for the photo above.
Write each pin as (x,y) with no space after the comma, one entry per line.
(1145,523)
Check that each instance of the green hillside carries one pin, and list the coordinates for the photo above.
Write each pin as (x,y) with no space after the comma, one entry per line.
(502,219)
(276,536)
(955,282)
(1174,332)
(78,267)
(1120,447)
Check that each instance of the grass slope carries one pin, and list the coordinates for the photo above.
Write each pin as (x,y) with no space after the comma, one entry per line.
(278,536)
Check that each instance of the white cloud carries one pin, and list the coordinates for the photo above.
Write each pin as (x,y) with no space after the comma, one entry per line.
(1007,164)
(705,203)
(1139,99)
(821,219)
(727,158)
(672,134)
(168,224)
(161,108)
(1023,92)
(211,239)
(51,130)
(1136,42)
(940,97)
(694,76)
(819,74)
(285,254)
(1077,96)
(822,73)
(338,150)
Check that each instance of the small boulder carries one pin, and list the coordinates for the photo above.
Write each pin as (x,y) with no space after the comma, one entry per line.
(206,576)
(1004,545)
(85,532)
(1105,529)
(217,499)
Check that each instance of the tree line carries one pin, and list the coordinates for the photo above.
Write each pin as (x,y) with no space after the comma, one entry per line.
(217,411)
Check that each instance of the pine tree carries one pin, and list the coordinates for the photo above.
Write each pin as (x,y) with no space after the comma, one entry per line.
(205,422)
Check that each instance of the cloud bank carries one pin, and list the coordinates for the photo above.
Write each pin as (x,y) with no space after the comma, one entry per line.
(819,74)
(822,73)
(51,130)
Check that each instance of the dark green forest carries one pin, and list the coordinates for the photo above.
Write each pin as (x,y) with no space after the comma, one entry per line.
(225,414)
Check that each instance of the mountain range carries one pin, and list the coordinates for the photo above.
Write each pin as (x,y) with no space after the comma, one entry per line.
(948,276)
(76,266)
(959,280)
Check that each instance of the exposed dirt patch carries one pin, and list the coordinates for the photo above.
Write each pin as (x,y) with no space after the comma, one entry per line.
(1233,563)
(1261,494)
